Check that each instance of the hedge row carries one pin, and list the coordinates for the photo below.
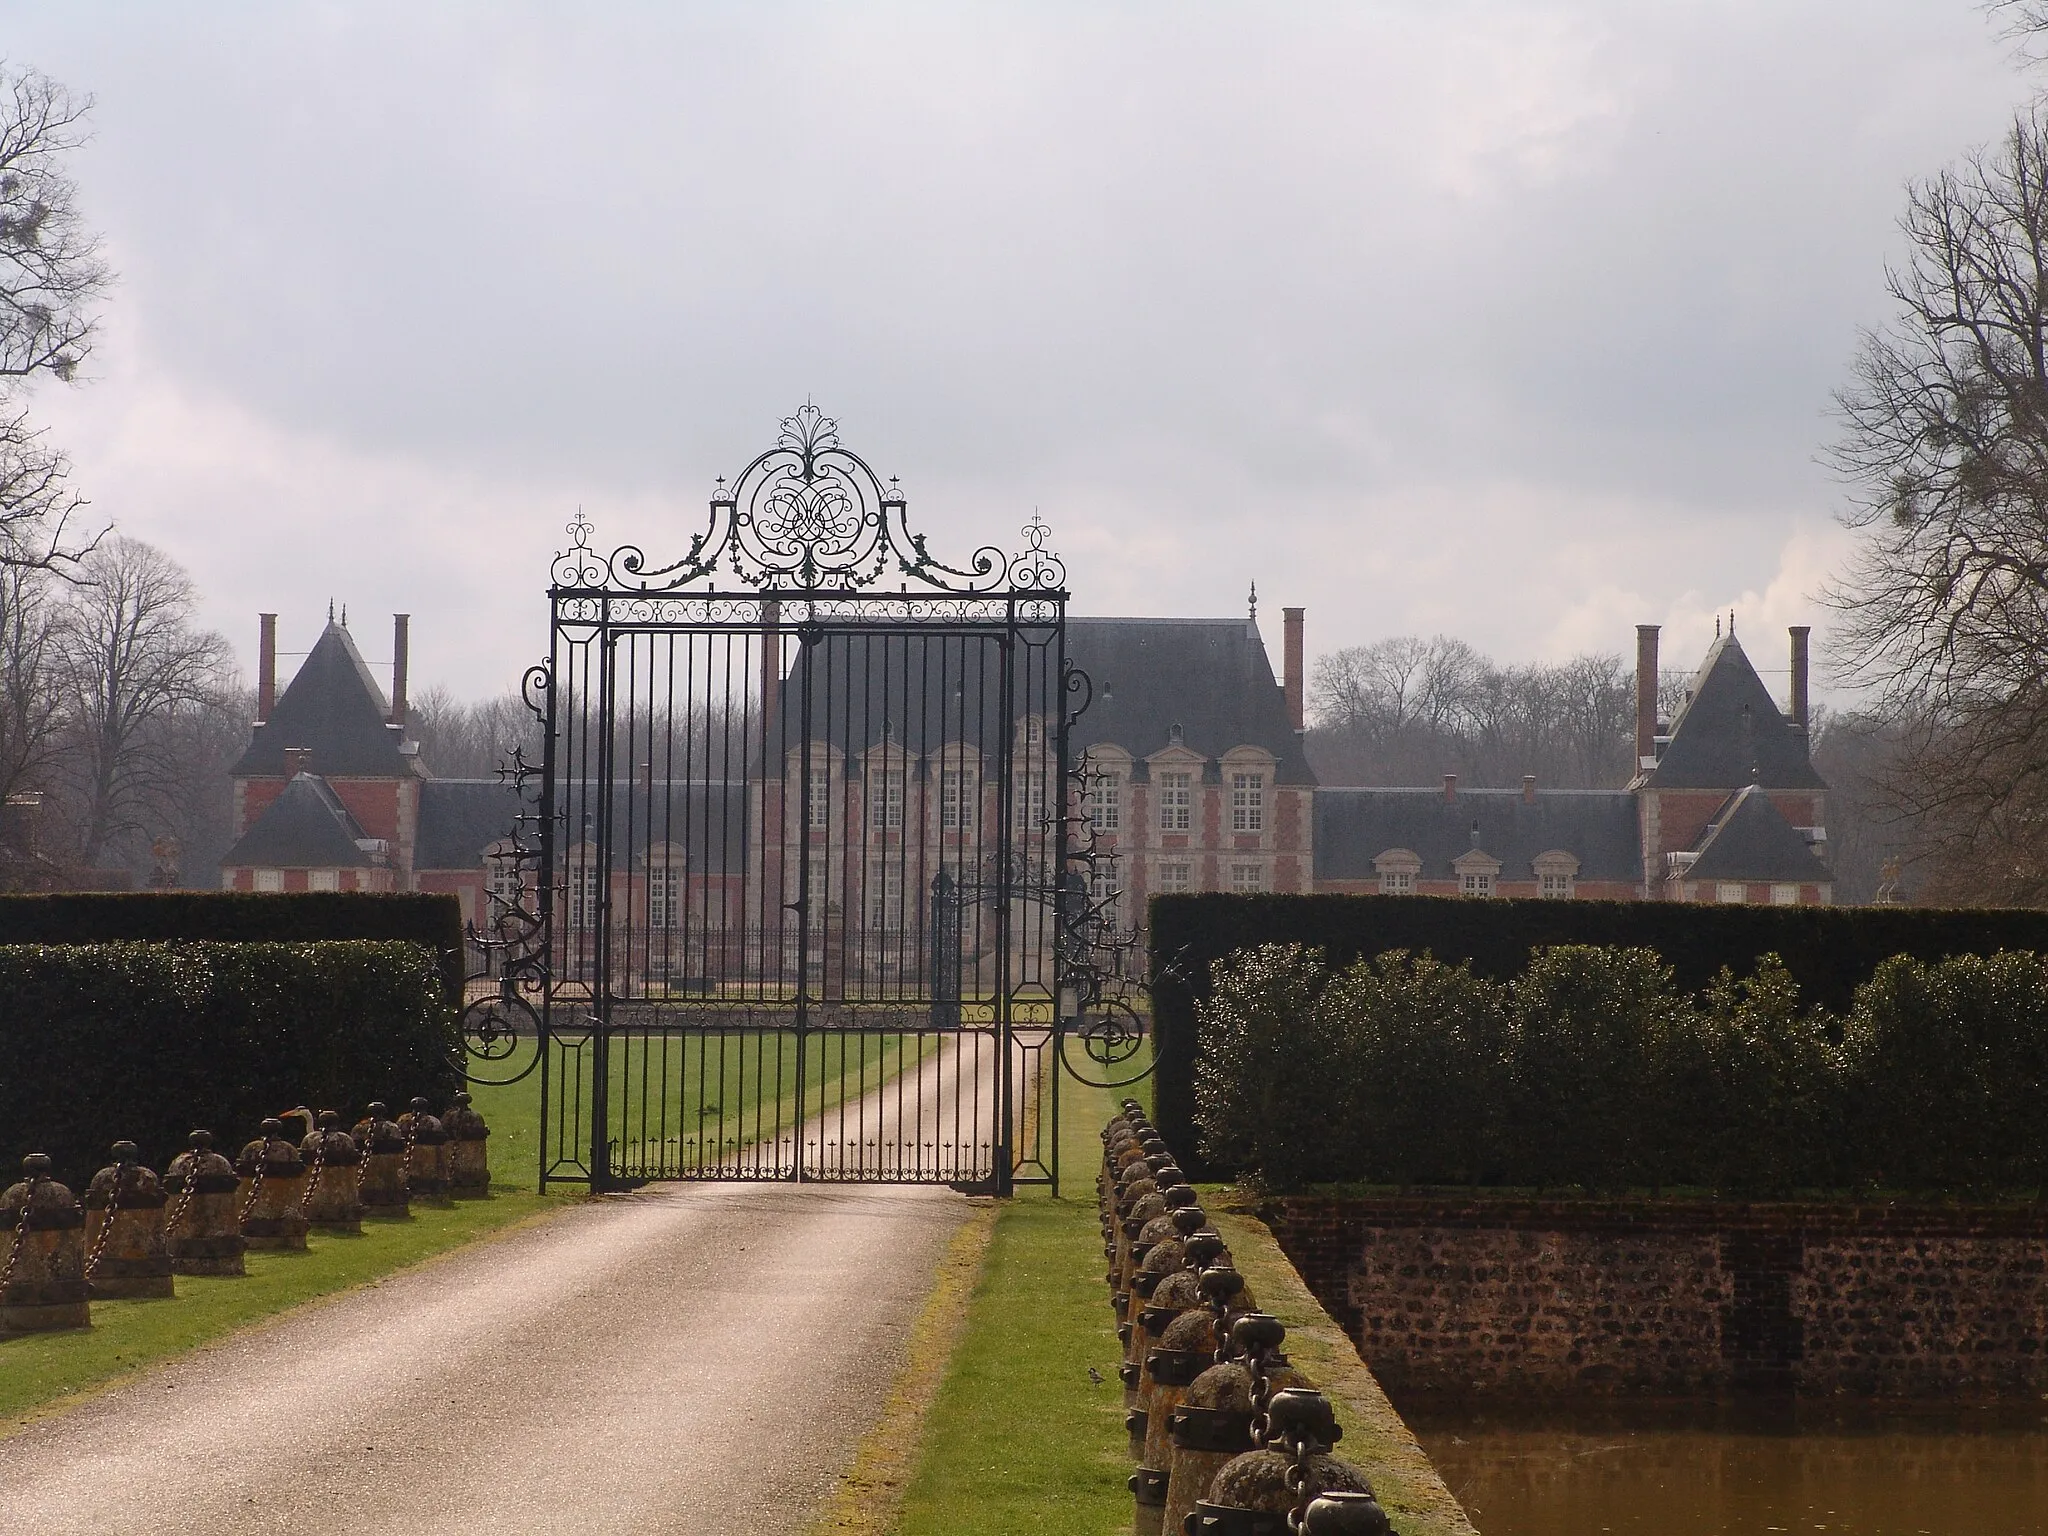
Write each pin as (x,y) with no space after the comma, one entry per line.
(240,917)
(1828,951)
(148,1041)
(1594,1069)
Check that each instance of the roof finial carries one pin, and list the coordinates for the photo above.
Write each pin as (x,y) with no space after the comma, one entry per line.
(344,615)
(1255,603)
(330,610)
(1731,623)
(1717,626)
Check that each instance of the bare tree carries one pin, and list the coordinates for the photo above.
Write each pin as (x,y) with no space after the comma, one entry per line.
(1945,442)
(31,717)
(1403,710)
(469,740)
(133,666)
(51,274)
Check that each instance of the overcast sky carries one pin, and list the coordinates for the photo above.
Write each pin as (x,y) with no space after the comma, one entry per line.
(1515,321)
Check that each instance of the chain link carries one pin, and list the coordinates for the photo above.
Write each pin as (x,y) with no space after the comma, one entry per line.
(177,1216)
(313,1174)
(363,1151)
(99,1246)
(256,1180)
(412,1130)
(28,1200)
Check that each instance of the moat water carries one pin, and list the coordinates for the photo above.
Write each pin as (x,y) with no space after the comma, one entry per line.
(1740,1470)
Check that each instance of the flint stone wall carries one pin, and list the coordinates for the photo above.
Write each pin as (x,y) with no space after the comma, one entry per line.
(1556,1297)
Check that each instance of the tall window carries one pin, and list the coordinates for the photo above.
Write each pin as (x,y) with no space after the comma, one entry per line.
(1030,802)
(1555,887)
(664,896)
(323,879)
(1247,877)
(582,895)
(502,880)
(1247,802)
(1397,882)
(1784,895)
(1172,878)
(956,800)
(1731,891)
(1476,882)
(1105,802)
(885,798)
(885,890)
(821,799)
(1103,884)
(1176,802)
(269,879)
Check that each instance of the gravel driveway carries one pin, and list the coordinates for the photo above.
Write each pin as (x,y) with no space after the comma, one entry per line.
(690,1358)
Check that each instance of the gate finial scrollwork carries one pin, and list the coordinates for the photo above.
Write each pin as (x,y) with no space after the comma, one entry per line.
(811,515)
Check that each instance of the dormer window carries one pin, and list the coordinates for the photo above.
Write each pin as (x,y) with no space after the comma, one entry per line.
(1397,869)
(1477,872)
(1475,882)
(1557,875)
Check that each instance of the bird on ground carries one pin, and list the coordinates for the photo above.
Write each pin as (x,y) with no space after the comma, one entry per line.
(1094,1375)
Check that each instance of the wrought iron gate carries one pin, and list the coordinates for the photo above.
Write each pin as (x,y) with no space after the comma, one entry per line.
(800,899)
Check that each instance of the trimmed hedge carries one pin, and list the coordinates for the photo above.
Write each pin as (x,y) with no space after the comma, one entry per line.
(1593,1070)
(149,1041)
(240,917)
(1826,951)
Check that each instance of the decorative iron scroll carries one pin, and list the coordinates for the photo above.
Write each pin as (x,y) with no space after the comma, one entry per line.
(1106,1002)
(500,1031)
(811,516)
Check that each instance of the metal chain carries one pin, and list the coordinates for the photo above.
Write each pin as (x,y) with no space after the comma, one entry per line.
(99,1246)
(256,1180)
(363,1159)
(28,1200)
(313,1175)
(412,1130)
(185,1195)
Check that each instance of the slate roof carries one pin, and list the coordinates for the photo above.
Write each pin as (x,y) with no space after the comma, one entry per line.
(1211,677)
(1598,826)
(1750,839)
(305,827)
(1731,733)
(459,818)
(335,708)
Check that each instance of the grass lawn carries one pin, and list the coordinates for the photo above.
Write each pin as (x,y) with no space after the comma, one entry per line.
(1019,1439)
(42,1371)
(684,1104)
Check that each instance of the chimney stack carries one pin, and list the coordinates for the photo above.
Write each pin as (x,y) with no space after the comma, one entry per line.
(1450,787)
(1528,789)
(771,677)
(266,664)
(401,635)
(1646,696)
(1291,677)
(297,760)
(1800,634)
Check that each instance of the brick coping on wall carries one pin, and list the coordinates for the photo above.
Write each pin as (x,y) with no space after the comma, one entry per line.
(1897,1218)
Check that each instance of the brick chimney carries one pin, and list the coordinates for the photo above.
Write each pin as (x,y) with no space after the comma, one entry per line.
(1528,789)
(1646,695)
(771,672)
(297,760)
(1800,635)
(266,664)
(1291,676)
(401,641)
(1450,787)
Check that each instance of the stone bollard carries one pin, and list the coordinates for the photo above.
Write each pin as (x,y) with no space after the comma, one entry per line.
(1284,1477)
(42,1273)
(332,1163)
(204,1229)
(380,1176)
(271,1191)
(469,1156)
(1162,1259)
(1345,1514)
(427,1160)
(126,1254)
(1187,1347)
(1176,1294)
(1213,1422)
